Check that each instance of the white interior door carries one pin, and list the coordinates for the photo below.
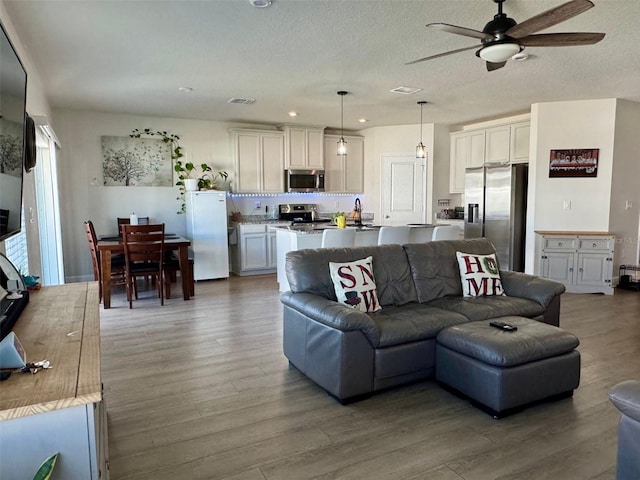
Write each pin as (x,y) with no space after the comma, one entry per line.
(403,188)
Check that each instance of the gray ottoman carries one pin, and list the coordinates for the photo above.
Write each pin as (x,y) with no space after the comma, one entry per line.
(503,370)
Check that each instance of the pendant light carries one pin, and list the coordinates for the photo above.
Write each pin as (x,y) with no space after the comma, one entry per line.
(421,152)
(342,144)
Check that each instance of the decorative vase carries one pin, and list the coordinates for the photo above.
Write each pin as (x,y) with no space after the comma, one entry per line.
(190,184)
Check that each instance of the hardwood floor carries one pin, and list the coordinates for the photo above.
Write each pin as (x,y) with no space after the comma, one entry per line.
(201,390)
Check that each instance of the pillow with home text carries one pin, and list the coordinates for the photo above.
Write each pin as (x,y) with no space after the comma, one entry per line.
(479,274)
(355,285)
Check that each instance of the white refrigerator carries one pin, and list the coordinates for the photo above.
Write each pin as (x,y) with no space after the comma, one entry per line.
(207,229)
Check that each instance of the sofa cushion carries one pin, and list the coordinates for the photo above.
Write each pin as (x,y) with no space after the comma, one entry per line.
(411,323)
(479,274)
(355,285)
(434,266)
(308,271)
(481,308)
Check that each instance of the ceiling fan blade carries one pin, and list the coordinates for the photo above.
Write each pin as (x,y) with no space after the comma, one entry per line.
(467,32)
(451,52)
(549,18)
(491,66)
(561,39)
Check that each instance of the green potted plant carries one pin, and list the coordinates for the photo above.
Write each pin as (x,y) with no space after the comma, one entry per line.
(208,180)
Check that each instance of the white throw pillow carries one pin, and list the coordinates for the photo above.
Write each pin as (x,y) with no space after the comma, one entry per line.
(479,275)
(355,285)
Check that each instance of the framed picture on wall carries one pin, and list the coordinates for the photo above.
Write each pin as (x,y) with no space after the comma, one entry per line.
(577,162)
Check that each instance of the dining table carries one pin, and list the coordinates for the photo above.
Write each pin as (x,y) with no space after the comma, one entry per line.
(109,245)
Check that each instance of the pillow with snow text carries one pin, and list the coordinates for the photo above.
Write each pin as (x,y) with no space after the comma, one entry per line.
(479,275)
(355,285)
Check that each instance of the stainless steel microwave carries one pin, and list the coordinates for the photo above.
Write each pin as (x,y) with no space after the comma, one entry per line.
(304,180)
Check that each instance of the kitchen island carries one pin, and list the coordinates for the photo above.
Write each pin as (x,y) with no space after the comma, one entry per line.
(309,235)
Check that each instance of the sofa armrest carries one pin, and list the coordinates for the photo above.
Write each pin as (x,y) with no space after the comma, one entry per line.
(626,398)
(538,289)
(331,314)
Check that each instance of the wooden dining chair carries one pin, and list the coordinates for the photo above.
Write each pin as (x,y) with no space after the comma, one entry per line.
(144,256)
(171,268)
(117,261)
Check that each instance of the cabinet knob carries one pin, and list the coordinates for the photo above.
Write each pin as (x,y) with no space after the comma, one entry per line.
(559,244)
(595,245)
(580,269)
(571,269)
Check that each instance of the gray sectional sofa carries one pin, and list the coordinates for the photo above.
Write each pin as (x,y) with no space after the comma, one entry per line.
(352,354)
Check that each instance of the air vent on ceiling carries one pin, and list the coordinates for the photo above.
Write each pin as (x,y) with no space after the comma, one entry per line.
(242,101)
(405,90)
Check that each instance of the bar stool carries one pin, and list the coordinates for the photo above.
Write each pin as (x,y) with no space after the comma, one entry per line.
(394,235)
(338,237)
(445,232)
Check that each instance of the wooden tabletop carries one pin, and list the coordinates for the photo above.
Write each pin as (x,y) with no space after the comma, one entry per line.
(60,324)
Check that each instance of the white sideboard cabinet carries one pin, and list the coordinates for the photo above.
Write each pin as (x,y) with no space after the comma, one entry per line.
(583,261)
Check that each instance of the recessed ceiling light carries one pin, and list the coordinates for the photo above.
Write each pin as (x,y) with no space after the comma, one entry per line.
(242,101)
(363,120)
(293,114)
(260,3)
(185,89)
(406,90)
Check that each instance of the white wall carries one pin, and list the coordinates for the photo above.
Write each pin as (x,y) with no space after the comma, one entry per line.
(624,212)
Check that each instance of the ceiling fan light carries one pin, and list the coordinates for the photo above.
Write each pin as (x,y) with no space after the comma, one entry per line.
(499,52)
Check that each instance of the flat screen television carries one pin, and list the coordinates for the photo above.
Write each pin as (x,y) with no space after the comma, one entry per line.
(13,96)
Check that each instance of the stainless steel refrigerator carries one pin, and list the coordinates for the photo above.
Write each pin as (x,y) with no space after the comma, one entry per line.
(495,208)
(207,229)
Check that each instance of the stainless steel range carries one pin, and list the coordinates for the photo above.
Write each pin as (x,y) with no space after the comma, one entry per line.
(300,213)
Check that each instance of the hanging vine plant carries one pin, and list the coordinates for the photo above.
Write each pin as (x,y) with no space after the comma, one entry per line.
(181,168)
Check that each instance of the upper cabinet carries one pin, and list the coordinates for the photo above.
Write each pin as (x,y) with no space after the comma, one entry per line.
(344,174)
(304,147)
(503,144)
(496,149)
(259,160)
(467,150)
(519,143)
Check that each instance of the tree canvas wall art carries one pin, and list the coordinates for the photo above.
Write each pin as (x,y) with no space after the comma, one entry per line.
(133,162)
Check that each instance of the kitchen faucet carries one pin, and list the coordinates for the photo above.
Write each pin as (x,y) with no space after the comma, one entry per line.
(357,211)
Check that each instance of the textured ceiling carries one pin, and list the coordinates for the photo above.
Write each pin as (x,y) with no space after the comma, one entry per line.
(131,56)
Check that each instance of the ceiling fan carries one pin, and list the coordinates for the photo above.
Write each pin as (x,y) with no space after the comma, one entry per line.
(503,37)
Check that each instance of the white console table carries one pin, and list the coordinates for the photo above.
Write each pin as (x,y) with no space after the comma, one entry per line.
(60,409)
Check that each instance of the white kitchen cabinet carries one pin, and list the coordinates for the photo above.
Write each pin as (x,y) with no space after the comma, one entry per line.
(256,252)
(344,174)
(259,160)
(519,142)
(467,150)
(497,145)
(582,261)
(304,147)
(475,148)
